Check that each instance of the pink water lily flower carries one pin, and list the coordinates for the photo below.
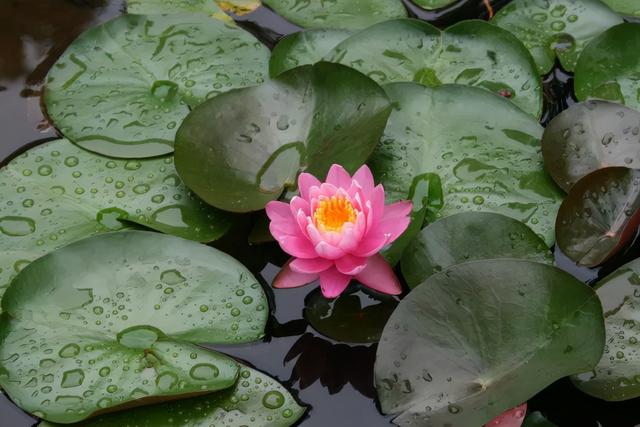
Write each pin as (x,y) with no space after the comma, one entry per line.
(335,231)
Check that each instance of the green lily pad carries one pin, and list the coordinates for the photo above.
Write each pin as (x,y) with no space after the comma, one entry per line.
(307,118)
(556,28)
(626,7)
(353,317)
(473,53)
(112,320)
(536,419)
(337,14)
(609,67)
(483,337)
(589,136)
(433,4)
(57,193)
(152,7)
(256,400)
(618,373)
(303,48)
(467,237)
(485,150)
(599,216)
(122,88)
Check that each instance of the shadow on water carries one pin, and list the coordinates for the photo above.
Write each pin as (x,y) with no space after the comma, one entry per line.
(335,380)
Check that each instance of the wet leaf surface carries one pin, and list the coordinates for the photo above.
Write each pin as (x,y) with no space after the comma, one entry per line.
(599,216)
(491,164)
(472,53)
(626,7)
(112,320)
(482,337)
(467,237)
(433,4)
(57,193)
(609,67)
(553,29)
(589,136)
(308,118)
(122,88)
(255,400)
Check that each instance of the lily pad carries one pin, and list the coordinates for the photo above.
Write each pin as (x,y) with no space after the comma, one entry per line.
(485,150)
(433,4)
(303,48)
(599,216)
(589,136)
(467,237)
(617,374)
(57,193)
(553,29)
(337,14)
(152,7)
(625,7)
(536,419)
(353,317)
(256,400)
(307,118)
(482,337)
(112,320)
(122,88)
(609,67)
(473,53)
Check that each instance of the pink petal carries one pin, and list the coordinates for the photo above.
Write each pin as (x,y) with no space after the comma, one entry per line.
(364,177)
(350,265)
(302,221)
(278,211)
(511,418)
(332,282)
(305,182)
(298,204)
(297,246)
(287,278)
(328,251)
(376,206)
(397,209)
(339,177)
(379,276)
(310,266)
(370,245)
(391,228)
(284,228)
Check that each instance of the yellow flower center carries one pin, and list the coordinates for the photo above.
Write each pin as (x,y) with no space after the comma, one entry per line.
(331,214)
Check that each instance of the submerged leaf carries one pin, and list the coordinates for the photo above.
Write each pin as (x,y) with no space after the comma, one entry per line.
(473,53)
(485,150)
(556,28)
(122,88)
(599,216)
(487,335)
(609,67)
(589,136)
(467,237)
(307,118)
(337,14)
(255,400)
(114,318)
(57,193)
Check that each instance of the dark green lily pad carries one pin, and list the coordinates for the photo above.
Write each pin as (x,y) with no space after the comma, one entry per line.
(485,150)
(57,193)
(337,14)
(556,28)
(536,419)
(122,88)
(354,317)
(617,376)
(112,320)
(599,216)
(307,118)
(626,7)
(152,7)
(589,136)
(303,48)
(467,237)
(473,53)
(256,400)
(483,337)
(609,67)
(433,4)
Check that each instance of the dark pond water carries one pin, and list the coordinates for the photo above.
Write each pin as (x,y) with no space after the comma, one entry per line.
(335,380)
